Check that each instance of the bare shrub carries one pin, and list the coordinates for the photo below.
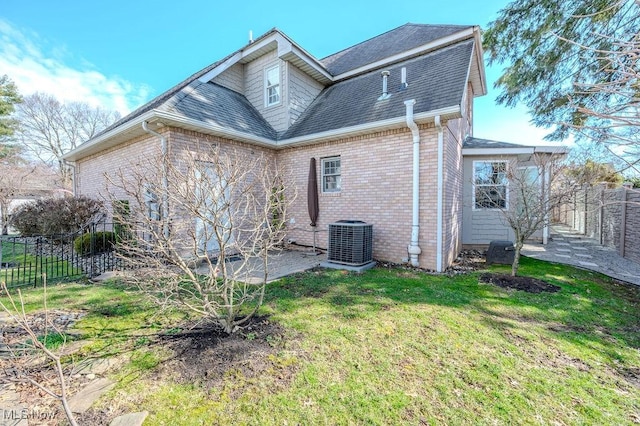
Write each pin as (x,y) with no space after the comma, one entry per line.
(200,229)
(53,216)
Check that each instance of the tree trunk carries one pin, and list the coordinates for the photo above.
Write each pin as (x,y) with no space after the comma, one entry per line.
(4,206)
(516,259)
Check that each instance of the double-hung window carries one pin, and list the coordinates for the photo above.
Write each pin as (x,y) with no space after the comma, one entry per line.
(272,85)
(331,175)
(490,184)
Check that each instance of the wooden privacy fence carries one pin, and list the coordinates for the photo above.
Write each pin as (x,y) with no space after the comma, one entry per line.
(611,216)
(24,261)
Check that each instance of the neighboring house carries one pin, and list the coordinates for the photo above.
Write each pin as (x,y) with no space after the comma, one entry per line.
(389,120)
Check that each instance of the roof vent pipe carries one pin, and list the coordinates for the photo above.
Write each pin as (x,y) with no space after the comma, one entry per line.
(385,90)
(403,78)
(250,36)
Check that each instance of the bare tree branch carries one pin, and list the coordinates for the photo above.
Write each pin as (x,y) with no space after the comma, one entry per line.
(227,215)
(16,311)
(49,129)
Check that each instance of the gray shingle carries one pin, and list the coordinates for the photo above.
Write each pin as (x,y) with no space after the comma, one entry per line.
(436,81)
(392,42)
(487,143)
(213,104)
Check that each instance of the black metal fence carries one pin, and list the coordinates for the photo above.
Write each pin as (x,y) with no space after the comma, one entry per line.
(25,261)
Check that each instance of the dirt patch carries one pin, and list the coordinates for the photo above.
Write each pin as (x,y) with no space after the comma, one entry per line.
(468,260)
(528,284)
(631,375)
(205,356)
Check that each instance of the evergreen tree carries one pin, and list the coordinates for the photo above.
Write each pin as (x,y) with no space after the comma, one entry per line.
(575,65)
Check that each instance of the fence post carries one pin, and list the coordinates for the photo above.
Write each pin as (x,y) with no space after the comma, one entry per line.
(623,219)
(601,214)
(92,234)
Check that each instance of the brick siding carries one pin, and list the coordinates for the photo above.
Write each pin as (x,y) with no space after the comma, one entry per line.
(376,184)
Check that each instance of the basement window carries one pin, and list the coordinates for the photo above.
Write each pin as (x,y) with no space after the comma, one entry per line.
(331,175)
(272,85)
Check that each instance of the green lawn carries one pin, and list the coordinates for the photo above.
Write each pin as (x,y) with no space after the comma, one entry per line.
(29,269)
(394,346)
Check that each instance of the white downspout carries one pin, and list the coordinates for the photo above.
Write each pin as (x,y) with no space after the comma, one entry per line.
(546,189)
(165,180)
(439,208)
(414,249)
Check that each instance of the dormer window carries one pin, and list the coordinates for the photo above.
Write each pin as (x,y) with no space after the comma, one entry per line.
(272,85)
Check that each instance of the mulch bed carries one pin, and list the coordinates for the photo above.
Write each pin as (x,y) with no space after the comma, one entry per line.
(204,356)
(528,284)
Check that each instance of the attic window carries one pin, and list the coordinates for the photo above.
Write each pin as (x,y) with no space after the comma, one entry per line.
(272,85)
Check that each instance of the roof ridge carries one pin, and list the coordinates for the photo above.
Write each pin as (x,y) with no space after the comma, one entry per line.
(364,41)
(408,24)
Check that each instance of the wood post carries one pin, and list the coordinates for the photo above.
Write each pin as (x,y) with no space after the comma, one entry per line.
(623,219)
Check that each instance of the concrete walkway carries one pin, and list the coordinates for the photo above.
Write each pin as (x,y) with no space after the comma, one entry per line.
(281,264)
(569,247)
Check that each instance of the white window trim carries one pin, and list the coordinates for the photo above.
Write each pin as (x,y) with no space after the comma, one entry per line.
(266,87)
(322,174)
(473,187)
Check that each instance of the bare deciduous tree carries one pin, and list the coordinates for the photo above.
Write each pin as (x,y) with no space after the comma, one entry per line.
(200,229)
(526,203)
(49,128)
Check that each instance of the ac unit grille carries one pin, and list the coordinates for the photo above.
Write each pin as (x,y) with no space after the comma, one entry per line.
(350,243)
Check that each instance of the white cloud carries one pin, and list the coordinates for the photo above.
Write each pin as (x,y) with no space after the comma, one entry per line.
(35,67)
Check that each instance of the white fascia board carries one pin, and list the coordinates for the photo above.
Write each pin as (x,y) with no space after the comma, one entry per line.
(551,149)
(167,118)
(441,42)
(284,46)
(94,143)
(463,101)
(237,57)
(498,151)
(480,59)
(220,68)
(299,52)
(367,127)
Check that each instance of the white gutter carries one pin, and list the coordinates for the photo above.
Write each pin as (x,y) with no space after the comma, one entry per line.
(361,128)
(95,145)
(439,208)
(165,180)
(559,150)
(413,248)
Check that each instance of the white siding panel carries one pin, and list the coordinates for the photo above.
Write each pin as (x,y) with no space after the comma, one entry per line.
(303,89)
(232,78)
(276,115)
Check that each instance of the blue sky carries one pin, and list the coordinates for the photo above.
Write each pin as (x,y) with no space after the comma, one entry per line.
(120,54)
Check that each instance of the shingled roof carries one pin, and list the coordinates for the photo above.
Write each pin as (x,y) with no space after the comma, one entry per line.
(393,42)
(436,80)
(478,143)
